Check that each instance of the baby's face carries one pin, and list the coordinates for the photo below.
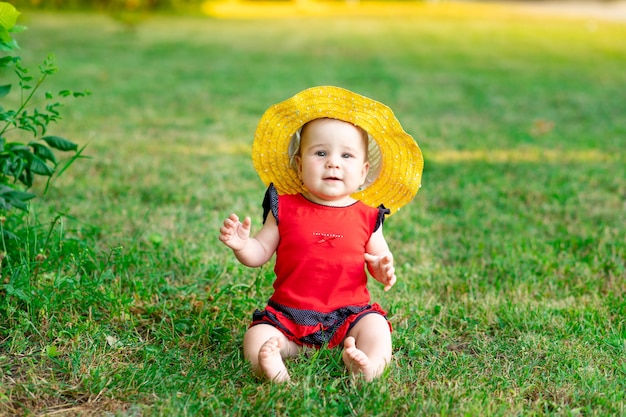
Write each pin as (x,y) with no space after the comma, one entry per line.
(333,160)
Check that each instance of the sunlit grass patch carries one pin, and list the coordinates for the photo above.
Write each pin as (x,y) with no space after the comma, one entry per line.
(315,8)
(534,155)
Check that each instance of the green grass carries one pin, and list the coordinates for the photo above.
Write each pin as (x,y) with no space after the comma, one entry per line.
(511,259)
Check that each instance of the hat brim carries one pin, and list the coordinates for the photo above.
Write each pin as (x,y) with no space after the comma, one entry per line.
(401,158)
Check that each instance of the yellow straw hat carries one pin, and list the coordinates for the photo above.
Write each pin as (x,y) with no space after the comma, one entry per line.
(396,162)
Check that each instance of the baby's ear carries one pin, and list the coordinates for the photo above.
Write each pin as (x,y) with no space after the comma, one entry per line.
(364,171)
(298,161)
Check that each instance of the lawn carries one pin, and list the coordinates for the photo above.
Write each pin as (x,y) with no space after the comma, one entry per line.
(511,259)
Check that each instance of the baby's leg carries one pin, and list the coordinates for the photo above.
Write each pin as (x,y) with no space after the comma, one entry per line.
(265,347)
(367,349)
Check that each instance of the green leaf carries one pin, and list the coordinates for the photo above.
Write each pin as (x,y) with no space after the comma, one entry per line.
(43,152)
(10,197)
(9,46)
(7,235)
(18,28)
(5,89)
(8,15)
(4,35)
(52,351)
(78,155)
(60,143)
(67,93)
(38,166)
(26,124)
(52,108)
(17,292)
(27,177)
(17,169)
(17,147)
(5,61)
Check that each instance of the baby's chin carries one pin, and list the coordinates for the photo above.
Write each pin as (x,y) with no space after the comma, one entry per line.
(329,199)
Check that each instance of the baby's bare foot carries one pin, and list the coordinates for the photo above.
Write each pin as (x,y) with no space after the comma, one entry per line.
(271,361)
(357,361)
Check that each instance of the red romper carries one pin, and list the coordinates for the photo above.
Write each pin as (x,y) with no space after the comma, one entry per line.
(320,290)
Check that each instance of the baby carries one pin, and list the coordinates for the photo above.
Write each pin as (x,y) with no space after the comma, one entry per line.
(324,154)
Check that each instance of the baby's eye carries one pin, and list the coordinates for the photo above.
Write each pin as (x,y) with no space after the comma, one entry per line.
(346,155)
(320,153)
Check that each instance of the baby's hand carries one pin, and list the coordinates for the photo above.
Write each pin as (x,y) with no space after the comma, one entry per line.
(235,234)
(381,268)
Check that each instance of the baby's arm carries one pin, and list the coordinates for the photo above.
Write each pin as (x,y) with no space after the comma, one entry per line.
(380,260)
(250,251)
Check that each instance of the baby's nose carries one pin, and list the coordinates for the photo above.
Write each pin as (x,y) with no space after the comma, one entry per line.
(332,161)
